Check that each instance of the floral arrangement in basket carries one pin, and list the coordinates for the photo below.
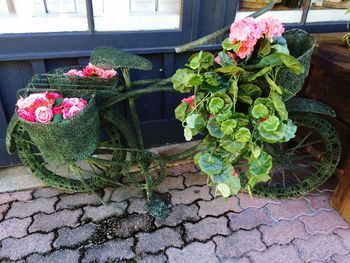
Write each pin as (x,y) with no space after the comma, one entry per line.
(237,104)
(92,71)
(48,107)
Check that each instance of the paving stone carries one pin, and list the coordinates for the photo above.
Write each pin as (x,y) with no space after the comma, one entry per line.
(14,227)
(15,196)
(98,213)
(56,220)
(250,218)
(323,222)
(283,232)
(195,179)
(246,201)
(182,168)
(239,243)
(68,237)
(320,247)
(137,205)
(158,240)
(111,250)
(59,256)
(344,234)
(206,228)
(178,214)
(341,258)
(107,193)
(290,209)
(276,254)
(77,200)
(194,252)
(320,201)
(189,195)
(15,249)
(170,183)
(124,193)
(235,260)
(3,210)
(25,209)
(126,227)
(152,259)
(218,206)
(47,192)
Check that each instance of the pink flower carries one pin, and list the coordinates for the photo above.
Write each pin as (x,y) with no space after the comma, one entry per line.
(190,100)
(68,113)
(106,73)
(57,110)
(72,72)
(24,103)
(217,60)
(25,115)
(89,70)
(245,50)
(234,172)
(53,95)
(271,27)
(79,102)
(43,114)
(232,56)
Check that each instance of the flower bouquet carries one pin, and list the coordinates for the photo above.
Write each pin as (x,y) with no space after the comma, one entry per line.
(238,102)
(65,130)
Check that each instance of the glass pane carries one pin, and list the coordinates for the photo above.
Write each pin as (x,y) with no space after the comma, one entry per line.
(136,15)
(332,10)
(26,16)
(288,11)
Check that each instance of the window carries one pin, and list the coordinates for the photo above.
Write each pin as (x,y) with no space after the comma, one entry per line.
(136,15)
(331,10)
(25,16)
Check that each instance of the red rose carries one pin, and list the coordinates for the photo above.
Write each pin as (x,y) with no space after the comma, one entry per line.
(57,110)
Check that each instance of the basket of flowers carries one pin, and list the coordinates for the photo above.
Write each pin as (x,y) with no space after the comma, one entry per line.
(64,129)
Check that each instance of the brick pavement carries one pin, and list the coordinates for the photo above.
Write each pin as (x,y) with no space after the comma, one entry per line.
(48,225)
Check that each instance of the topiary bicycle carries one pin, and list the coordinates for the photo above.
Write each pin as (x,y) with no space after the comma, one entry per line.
(299,166)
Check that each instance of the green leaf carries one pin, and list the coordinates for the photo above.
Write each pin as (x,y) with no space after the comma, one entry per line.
(180,111)
(260,166)
(58,102)
(260,73)
(215,105)
(273,85)
(243,135)
(281,48)
(228,126)
(195,121)
(201,60)
(194,80)
(241,119)
(234,184)
(210,164)
(245,99)
(265,47)
(288,130)
(291,63)
(224,174)
(212,78)
(268,103)
(187,133)
(224,116)
(213,127)
(270,125)
(180,80)
(251,90)
(227,45)
(255,179)
(225,59)
(57,118)
(260,111)
(224,189)
(233,91)
(230,70)
(279,105)
(232,146)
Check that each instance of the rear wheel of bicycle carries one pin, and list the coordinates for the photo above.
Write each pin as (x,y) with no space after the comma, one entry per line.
(93,173)
(305,162)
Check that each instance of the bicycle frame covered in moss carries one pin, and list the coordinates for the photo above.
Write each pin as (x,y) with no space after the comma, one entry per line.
(298,167)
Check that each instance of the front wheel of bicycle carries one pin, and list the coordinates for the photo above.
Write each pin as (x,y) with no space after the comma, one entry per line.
(305,162)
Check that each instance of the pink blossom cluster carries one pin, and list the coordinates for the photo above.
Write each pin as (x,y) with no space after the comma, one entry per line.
(43,107)
(247,31)
(92,71)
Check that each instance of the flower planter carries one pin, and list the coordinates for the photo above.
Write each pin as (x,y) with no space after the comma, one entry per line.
(70,140)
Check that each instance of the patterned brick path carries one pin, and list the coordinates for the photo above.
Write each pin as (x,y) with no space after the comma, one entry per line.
(48,225)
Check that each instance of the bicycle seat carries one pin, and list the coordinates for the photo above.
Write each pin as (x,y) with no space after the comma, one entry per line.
(110,57)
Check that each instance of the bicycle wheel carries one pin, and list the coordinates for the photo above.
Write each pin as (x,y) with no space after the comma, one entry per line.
(304,163)
(90,174)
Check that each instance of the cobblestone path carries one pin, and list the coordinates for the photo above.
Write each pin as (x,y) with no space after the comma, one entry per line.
(48,225)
